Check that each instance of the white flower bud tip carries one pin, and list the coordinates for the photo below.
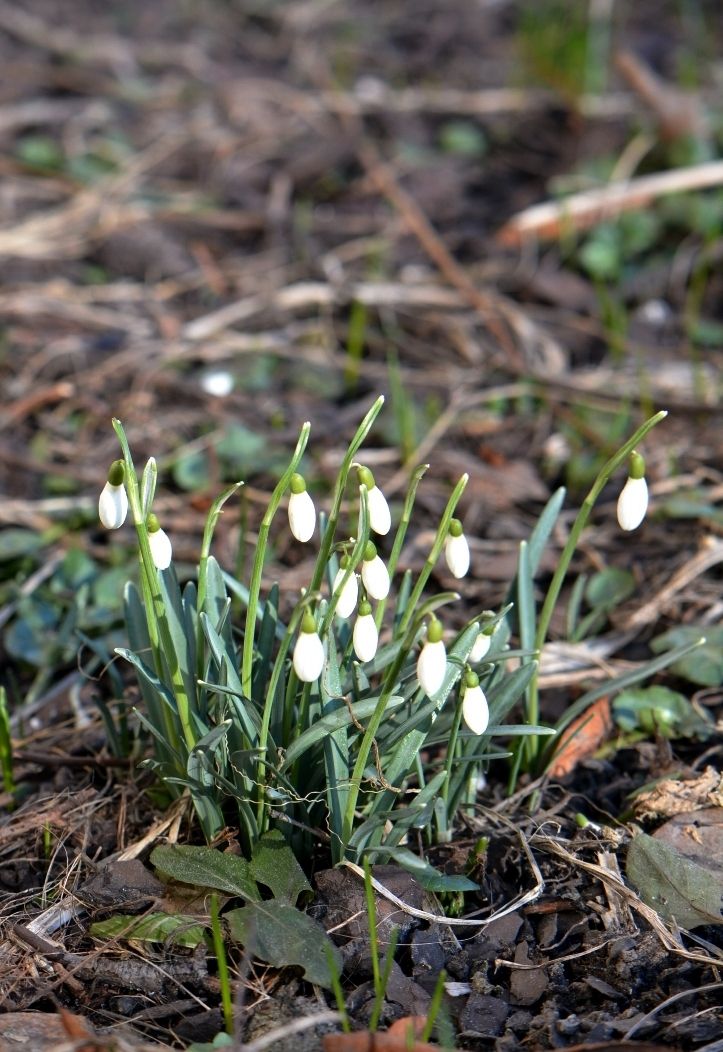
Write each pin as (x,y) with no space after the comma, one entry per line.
(374,573)
(346,602)
(113,500)
(480,647)
(302,513)
(161,549)
(456,550)
(475,710)
(366,637)
(632,503)
(113,506)
(432,661)
(380,518)
(309,651)
(218,383)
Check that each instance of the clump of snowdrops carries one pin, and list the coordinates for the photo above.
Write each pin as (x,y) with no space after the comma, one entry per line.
(317,724)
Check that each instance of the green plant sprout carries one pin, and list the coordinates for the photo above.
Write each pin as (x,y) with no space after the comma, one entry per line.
(310,715)
(6,745)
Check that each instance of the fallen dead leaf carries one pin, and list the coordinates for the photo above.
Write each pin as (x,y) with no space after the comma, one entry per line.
(395,1039)
(582,738)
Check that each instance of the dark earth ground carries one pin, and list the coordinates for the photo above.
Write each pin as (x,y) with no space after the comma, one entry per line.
(308,195)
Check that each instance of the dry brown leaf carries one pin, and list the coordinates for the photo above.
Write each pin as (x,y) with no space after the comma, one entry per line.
(582,738)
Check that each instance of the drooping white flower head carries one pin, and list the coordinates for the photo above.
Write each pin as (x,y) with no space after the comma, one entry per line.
(375,576)
(159,543)
(349,593)
(380,518)
(113,500)
(217,382)
(475,710)
(365,637)
(308,657)
(456,550)
(432,661)
(480,646)
(302,513)
(633,501)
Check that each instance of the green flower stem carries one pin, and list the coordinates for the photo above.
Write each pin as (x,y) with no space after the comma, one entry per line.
(355,557)
(365,746)
(558,579)
(222,963)
(401,533)
(158,629)
(451,750)
(259,556)
(341,480)
(271,692)
(440,538)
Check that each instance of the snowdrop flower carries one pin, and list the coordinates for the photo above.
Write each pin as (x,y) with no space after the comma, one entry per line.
(366,637)
(159,543)
(633,501)
(374,573)
(480,646)
(113,500)
(218,383)
(346,603)
(432,661)
(456,550)
(380,518)
(302,514)
(309,651)
(475,710)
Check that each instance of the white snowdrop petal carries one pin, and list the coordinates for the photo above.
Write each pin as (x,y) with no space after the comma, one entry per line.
(456,552)
(366,637)
(375,577)
(161,549)
(479,648)
(380,518)
(632,503)
(475,710)
(302,516)
(431,667)
(218,382)
(112,506)
(346,603)
(308,657)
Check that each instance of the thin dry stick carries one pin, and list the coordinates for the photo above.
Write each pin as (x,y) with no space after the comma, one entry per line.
(710,555)
(668,938)
(584,210)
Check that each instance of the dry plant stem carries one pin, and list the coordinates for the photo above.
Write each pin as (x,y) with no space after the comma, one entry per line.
(584,210)
(553,593)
